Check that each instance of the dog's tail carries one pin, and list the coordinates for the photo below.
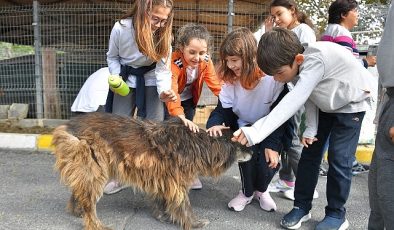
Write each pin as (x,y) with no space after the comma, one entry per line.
(76,161)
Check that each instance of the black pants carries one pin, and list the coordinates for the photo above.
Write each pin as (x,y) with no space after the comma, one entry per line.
(188,108)
(255,174)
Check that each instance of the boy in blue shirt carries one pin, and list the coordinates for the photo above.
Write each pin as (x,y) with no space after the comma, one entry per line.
(336,90)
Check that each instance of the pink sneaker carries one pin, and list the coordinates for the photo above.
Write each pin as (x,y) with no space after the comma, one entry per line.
(197,185)
(266,201)
(239,202)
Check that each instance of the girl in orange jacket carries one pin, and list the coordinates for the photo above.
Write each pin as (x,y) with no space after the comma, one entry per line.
(191,67)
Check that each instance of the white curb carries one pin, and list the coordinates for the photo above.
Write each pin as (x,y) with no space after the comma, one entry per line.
(18,141)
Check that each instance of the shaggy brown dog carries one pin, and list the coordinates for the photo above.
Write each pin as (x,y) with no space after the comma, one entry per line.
(160,159)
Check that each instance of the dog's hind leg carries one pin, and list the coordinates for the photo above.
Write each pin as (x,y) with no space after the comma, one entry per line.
(87,199)
(73,207)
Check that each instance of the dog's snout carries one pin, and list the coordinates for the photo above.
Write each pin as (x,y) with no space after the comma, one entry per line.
(243,156)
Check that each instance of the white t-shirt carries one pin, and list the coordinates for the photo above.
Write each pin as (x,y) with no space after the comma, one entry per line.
(250,105)
(304,33)
(93,93)
(191,74)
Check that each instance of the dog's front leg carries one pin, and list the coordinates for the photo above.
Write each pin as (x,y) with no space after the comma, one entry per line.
(158,208)
(183,214)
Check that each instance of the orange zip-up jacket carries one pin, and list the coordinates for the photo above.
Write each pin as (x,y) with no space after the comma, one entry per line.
(206,73)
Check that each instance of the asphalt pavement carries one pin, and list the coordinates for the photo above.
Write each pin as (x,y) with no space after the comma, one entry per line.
(32,197)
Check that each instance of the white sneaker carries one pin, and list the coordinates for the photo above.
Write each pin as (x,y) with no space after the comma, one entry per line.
(289,194)
(279,186)
(113,187)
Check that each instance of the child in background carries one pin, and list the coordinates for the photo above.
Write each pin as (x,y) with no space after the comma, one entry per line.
(285,14)
(336,91)
(93,93)
(246,96)
(191,66)
(139,51)
(342,17)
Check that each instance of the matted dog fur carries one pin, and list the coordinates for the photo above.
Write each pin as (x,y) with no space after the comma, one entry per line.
(160,159)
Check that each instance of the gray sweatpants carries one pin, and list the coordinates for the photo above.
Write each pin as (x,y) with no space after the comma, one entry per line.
(126,106)
(381,173)
(292,156)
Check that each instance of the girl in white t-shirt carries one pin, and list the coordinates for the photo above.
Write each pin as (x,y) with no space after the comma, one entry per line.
(246,96)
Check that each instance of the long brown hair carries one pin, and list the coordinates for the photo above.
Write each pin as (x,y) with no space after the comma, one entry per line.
(153,45)
(290,4)
(241,43)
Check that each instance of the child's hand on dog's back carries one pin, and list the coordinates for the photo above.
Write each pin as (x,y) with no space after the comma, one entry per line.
(188,123)
(216,130)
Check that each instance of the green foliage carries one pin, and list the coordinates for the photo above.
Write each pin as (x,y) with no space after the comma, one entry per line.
(9,50)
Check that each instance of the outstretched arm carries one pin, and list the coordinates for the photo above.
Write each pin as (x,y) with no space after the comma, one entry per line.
(311,73)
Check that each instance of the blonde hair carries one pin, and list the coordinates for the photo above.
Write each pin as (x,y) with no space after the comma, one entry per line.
(241,43)
(153,45)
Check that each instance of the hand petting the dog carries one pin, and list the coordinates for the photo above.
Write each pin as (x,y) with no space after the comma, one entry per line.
(391,132)
(188,123)
(239,136)
(216,130)
(272,157)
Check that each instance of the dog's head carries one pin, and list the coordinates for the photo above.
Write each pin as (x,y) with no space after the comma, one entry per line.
(243,153)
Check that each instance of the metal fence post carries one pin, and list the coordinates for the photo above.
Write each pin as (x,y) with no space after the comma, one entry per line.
(230,16)
(37,62)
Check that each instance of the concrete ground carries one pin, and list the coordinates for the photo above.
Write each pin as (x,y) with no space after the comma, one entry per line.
(32,198)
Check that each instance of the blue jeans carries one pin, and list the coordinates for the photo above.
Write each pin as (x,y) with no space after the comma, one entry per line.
(344,131)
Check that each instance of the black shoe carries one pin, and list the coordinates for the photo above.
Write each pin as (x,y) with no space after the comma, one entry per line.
(294,218)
